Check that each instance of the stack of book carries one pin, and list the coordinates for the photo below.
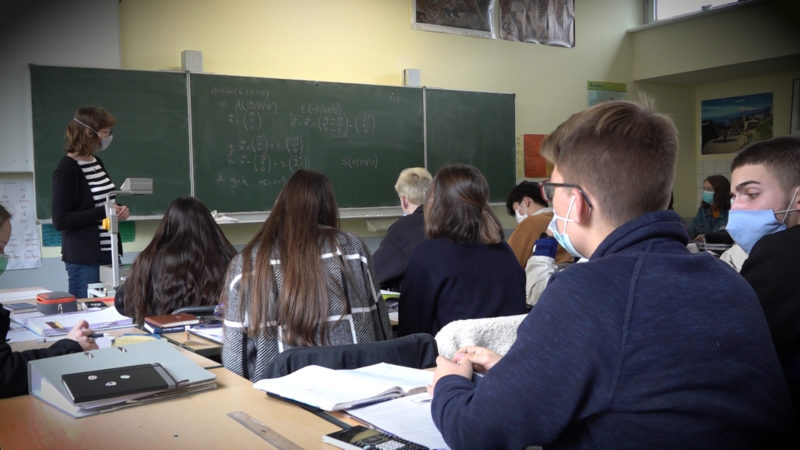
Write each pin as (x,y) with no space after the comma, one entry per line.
(170,323)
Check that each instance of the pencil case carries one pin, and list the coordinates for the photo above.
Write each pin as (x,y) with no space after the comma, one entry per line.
(56,302)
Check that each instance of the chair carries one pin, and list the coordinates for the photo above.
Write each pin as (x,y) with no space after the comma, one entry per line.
(414,350)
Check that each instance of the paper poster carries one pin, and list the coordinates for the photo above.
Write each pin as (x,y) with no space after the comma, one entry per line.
(536,166)
(17,196)
(601,91)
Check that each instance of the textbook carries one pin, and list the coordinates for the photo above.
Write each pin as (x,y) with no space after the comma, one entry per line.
(63,381)
(169,323)
(171,320)
(333,390)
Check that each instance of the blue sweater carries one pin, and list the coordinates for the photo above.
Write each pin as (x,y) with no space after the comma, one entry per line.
(643,346)
(446,281)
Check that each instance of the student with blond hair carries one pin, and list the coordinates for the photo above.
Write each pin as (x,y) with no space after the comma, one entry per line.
(391,257)
(645,345)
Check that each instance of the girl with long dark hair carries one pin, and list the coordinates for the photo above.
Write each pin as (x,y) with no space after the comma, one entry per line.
(300,282)
(184,264)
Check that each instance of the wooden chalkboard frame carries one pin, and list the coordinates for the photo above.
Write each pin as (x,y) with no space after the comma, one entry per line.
(457,126)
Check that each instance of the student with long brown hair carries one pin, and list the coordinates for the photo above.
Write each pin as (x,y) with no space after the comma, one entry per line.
(183,265)
(300,282)
(464,270)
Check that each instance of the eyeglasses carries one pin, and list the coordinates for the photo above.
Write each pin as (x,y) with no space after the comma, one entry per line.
(548,190)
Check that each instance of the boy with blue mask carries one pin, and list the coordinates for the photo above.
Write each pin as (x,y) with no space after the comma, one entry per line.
(764,220)
(642,345)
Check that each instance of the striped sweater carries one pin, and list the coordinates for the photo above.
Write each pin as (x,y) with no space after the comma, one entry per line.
(79,189)
(367,322)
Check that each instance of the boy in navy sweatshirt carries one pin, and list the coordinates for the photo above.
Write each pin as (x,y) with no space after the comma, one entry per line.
(645,345)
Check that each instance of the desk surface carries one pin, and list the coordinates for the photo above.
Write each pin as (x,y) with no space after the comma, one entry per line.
(199,421)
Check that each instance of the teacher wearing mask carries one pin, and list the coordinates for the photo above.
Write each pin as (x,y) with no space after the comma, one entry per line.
(80,185)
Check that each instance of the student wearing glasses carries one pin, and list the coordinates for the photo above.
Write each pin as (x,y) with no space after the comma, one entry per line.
(643,345)
(80,185)
(464,270)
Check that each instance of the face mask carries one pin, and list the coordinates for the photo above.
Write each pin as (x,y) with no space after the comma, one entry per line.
(746,227)
(104,142)
(708,197)
(563,238)
(519,216)
(3,263)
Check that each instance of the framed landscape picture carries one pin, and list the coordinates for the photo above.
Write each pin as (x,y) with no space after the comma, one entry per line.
(728,124)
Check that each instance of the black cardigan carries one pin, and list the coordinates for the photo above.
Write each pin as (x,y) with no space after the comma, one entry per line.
(14,365)
(76,216)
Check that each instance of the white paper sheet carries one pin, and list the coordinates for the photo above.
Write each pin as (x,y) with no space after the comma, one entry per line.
(407,417)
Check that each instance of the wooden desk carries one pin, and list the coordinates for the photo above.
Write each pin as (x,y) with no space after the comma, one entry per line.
(196,421)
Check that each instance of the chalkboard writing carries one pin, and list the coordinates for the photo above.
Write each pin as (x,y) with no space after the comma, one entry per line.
(250,134)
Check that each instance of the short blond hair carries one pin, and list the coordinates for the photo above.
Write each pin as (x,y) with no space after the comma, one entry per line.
(413,183)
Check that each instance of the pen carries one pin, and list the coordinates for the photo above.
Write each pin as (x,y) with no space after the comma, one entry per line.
(96,335)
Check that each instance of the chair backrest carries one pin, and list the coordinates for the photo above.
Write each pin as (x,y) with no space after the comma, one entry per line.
(414,350)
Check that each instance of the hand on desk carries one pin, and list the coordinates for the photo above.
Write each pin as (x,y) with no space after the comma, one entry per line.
(81,334)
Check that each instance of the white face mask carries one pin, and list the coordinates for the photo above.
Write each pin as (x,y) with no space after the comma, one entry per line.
(519,216)
(104,142)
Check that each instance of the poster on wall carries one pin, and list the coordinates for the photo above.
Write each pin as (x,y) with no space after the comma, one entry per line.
(536,166)
(469,17)
(730,123)
(23,248)
(550,22)
(603,91)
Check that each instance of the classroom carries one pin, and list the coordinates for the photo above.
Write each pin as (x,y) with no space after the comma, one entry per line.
(372,42)
(747,48)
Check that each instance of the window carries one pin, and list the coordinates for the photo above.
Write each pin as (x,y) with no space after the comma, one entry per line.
(657,10)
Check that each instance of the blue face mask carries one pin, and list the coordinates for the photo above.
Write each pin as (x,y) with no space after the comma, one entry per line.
(747,226)
(3,263)
(708,197)
(563,238)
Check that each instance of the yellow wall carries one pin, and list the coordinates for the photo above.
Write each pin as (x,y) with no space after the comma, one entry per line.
(371,42)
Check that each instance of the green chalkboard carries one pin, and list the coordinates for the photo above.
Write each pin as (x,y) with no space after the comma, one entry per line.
(249,135)
(475,128)
(151,137)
